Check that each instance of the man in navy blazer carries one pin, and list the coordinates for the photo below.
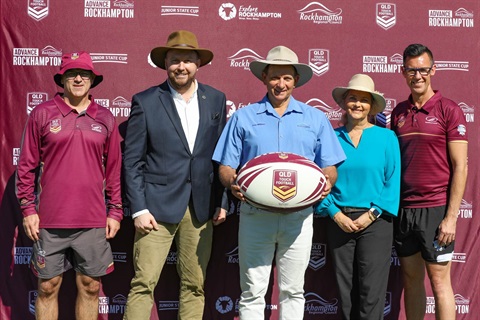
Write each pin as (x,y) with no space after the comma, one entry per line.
(171,183)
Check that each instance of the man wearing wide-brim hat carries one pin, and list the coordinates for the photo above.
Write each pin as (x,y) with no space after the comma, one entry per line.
(74,144)
(171,182)
(277,123)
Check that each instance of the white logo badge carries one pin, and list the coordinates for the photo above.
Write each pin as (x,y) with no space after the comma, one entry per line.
(37,9)
(227,11)
(386,15)
(319,61)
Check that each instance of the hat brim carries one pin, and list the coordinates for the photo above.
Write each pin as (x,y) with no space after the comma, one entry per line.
(304,71)
(58,77)
(379,101)
(158,55)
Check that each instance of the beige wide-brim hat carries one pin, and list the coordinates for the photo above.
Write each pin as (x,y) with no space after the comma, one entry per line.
(180,40)
(361,82)
(282,56)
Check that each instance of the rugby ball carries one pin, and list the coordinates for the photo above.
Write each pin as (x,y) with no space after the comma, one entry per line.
(281,181)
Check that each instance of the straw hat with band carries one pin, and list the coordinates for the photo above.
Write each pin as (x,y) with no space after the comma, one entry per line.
(77,60)
(361,82)
(180,40)
(282,56)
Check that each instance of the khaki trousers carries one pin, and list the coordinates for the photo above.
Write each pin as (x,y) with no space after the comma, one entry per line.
(194,243)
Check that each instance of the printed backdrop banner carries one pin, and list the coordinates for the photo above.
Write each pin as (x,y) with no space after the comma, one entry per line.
(337,38)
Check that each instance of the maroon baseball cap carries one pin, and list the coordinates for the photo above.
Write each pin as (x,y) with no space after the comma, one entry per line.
(77,60)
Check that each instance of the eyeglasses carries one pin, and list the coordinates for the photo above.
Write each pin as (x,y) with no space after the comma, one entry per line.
(413,71)
(85,75)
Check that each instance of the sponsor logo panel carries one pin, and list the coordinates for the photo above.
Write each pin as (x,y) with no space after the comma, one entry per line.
(109,58)
(15,156)
(388,304)
(318,256)
(192,11)
(466,210)
(318,13)
(38,9)
(332,113)
(110,9)
(452,65)
(224,304)
(394,260)
(316,305)
(462,305)
(22,255)
(384,118)
(228,11)
(460,18)
(165,305)
(48,56)
(319,61)
(382,64)
(34,99)
(468,111)
(386,15)
(119,106)
(232,256)
(115,305)
(242,58)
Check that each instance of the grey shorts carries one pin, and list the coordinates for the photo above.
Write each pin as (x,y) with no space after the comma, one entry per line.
(58,250)
(416,230)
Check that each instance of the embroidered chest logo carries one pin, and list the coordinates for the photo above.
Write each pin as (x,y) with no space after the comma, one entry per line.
(401,121)
(96,127)
(431,120)
(55,126)
(284,184)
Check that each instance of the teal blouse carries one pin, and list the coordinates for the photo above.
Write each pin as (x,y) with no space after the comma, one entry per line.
(369,177)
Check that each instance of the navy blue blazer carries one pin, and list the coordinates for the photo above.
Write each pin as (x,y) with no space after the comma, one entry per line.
(161,174)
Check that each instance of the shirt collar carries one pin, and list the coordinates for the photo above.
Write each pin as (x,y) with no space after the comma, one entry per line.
(177,95)
(266,106)
(65,109)
(429,105)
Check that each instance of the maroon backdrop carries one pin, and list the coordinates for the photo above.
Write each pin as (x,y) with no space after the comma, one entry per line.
(338,38)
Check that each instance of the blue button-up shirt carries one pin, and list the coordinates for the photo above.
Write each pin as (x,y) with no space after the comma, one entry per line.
(257,129)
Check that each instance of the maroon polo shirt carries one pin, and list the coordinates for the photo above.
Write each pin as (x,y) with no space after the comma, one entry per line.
(423,135)
(78,159)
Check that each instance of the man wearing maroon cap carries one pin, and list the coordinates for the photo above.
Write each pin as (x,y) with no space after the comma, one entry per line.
(68,186)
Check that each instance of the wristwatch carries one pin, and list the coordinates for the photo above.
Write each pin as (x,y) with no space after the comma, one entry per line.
(375,213)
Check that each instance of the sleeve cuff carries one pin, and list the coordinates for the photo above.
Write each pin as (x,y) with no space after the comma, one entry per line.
(139,213)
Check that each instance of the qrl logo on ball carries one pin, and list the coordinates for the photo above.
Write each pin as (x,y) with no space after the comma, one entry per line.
(284,184)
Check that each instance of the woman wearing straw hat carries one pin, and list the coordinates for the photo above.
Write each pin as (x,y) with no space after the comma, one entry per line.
(362,202)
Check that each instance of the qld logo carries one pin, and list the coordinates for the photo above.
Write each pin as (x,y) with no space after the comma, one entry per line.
(386,15)
(55,126)
(284,184)
(34,99)
(384,118)
(319,61)
(32,298)
(318,256)
(37,9)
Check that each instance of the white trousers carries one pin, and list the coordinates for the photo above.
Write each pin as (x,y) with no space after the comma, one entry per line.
(261,234)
